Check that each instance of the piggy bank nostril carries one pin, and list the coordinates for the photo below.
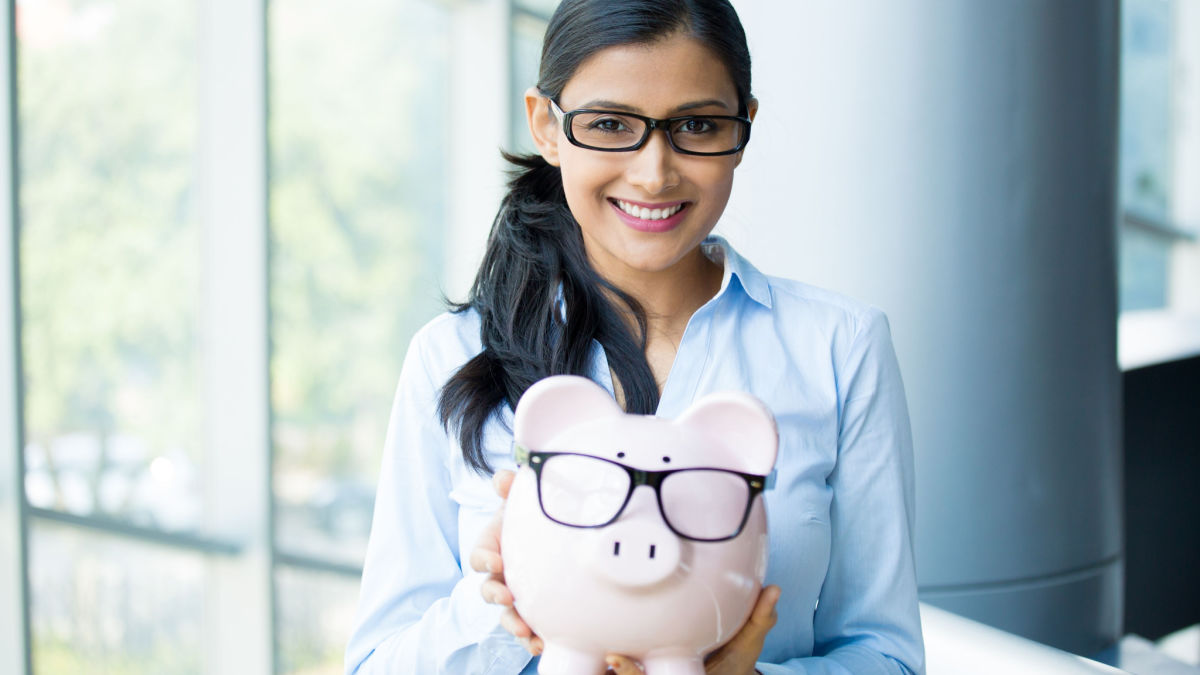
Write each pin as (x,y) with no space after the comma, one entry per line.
(616,548)
(651,550)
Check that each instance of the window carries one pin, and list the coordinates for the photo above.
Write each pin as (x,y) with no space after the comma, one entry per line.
(528,26)
(110,314)
(232,218)
(1159,162)
(110,279)
(358,187)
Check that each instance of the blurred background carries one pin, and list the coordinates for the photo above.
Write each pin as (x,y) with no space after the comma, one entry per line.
(225,219)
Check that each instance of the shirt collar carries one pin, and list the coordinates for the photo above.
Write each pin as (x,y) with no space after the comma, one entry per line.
(720,251)
(752,281)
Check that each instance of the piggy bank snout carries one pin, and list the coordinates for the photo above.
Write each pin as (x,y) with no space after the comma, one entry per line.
(637,550)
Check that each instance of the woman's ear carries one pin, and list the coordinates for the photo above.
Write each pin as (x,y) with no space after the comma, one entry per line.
(543,125)
(751,111)
(751,108)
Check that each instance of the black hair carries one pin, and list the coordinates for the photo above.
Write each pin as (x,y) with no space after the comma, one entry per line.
(540,303)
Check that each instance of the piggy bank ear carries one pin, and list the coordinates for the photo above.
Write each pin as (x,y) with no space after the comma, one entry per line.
(557,403)
(740,423)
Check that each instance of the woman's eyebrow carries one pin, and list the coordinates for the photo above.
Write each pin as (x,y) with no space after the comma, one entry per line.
(702,104)
(692,105)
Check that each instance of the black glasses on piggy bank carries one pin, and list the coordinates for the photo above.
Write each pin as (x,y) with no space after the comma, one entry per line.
(697,503)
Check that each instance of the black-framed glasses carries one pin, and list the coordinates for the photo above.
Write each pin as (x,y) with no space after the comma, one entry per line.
(697,503)
(614,131)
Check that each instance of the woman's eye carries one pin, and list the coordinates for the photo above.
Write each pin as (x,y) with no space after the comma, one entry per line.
(697,125)
(607,125)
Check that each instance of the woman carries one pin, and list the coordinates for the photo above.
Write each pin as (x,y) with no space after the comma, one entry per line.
(600,263)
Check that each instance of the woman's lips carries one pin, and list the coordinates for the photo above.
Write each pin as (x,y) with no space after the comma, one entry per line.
(650,218)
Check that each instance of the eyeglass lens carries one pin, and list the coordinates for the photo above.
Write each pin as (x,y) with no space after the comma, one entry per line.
(704,504)
(582,491)
(611,131)
(699,503)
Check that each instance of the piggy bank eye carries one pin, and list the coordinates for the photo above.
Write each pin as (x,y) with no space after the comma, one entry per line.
(620,455)
(666,460)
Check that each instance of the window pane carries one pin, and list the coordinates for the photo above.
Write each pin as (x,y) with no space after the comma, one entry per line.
(316,613)
(527,33)
(544,7)
(1146,74)
(109,264)
(358,192)
(1143,267)
(103,605)
(1145,150)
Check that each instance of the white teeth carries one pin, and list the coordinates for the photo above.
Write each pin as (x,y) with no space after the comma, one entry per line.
(648,214)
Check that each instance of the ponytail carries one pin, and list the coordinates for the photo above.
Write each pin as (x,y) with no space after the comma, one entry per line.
(535,252)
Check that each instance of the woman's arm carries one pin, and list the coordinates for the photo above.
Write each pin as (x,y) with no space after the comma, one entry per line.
(867,619)
(417,611)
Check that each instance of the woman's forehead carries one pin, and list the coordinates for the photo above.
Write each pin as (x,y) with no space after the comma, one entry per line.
(660,77)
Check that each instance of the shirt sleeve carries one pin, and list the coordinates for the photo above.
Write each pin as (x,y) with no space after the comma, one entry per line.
(867,618)
(417,611)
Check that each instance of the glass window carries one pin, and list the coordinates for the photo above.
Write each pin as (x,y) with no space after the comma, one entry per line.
(1146,107)
(103,605)
(316,611)
(1145,170)
(358,147)
(543,7)
(527,32)
(109,258)
(1158,144)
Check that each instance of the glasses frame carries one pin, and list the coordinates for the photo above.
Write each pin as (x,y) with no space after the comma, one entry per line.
(639,477)
(651,125)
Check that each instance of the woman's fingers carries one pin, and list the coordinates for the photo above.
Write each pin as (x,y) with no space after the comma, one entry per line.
(514,624)
(739,654)
(502,482)
(485,557)
(496,592)
(622,665)
(764,616)
(533,645)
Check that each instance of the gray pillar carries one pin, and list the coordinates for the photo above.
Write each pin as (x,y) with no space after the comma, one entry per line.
(954,163)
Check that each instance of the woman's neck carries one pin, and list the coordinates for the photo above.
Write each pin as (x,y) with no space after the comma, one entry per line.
(670,297)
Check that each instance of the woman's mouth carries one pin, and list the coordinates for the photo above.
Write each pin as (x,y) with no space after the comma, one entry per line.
(650,218)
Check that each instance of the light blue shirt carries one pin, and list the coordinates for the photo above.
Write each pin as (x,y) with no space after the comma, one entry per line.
(840,516)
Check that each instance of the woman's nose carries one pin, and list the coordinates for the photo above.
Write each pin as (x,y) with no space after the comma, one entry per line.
(652,167)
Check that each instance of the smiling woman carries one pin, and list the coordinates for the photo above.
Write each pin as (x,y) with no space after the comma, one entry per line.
(601,263)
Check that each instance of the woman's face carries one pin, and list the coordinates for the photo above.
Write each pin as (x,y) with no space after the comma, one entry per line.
(671,77)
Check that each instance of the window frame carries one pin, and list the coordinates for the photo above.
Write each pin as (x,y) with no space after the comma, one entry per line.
(14,623)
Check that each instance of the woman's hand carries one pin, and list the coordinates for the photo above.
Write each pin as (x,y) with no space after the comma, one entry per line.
(736,657)
(486,558)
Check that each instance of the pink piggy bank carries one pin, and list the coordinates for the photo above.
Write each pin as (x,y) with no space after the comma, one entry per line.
(634,534)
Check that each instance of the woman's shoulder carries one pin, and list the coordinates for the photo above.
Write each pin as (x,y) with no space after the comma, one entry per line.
(793,296)
(446,342)
(796,303)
